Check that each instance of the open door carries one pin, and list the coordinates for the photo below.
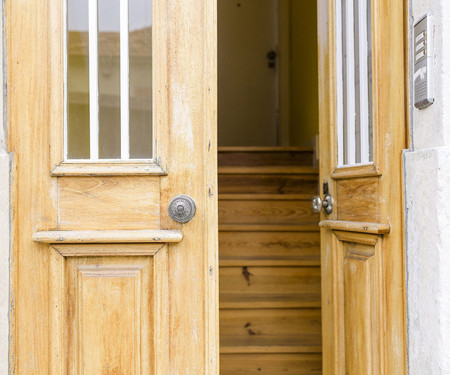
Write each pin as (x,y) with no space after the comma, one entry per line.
(362,133)
(112,114)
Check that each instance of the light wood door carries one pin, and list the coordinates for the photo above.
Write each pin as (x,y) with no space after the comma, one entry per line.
(362,240)
(103,280)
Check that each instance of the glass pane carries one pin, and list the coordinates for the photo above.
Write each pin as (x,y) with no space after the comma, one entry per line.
(78,80)
(140,52)
(109,78)
(354,85)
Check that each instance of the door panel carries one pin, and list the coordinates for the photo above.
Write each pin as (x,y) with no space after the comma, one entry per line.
(363,281)
(103,280)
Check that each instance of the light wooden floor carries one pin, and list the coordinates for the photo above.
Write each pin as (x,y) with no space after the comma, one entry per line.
(270,317)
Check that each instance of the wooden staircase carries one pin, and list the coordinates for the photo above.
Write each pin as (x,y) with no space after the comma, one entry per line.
(270,317)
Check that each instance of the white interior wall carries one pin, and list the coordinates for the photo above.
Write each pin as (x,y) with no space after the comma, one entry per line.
(427,184)
(4,224)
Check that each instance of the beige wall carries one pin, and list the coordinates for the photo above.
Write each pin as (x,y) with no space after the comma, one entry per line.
(304,111)
(246,120)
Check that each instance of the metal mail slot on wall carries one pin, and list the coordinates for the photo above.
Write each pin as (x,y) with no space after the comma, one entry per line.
(423,62)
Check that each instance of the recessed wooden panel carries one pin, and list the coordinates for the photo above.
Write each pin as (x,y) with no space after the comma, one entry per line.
(109,325)
(268,184)
(267,212)
(358,199)
(270,330)
(271,364)
(360,293)
(89,203)
(269,248)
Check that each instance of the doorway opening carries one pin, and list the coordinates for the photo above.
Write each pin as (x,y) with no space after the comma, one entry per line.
(269,240)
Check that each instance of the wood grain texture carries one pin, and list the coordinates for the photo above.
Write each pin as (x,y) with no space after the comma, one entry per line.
(108,236)
(190,118)
(96,203)
(301,170)
(184,90)
(361,344)
(251,157)
(271,364)
(366,194)
(97,250)
(358,227)
(107,169)
(267,212)
(270,331)
(268,184)
(269,248)
(358,200)
(265,281)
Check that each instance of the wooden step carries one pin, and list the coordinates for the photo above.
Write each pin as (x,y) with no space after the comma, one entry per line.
(269,248)
(268,184)
(269,301)
(267,211)
(271,364)
(265,156)
(268,228)
(264,170)
(270,331)
(263,282)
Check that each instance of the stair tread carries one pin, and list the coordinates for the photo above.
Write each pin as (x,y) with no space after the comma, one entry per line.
(268,228)
(250,170)
(264,197)
(269,300)
(307,343)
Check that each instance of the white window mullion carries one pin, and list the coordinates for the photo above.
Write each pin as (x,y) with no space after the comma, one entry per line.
(350,75)
(93,78)
(339,84)
(363,79)
(124,81)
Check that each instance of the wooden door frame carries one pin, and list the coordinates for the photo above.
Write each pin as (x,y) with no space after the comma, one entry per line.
(389,40)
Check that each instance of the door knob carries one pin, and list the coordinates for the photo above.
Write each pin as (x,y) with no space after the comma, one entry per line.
(327,203)
(182,208)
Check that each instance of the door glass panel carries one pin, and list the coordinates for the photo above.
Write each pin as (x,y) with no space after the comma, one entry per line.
(354,82)
(77,135)
(140,52)
(109,80)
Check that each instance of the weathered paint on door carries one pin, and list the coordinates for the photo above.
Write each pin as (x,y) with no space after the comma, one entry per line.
(362,241)
(103,280)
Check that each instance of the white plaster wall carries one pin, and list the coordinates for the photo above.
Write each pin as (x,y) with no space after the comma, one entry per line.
(427,184)
(4,224)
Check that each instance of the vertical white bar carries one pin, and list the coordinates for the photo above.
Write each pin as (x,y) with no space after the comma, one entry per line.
(364,81)
(93,78)
(339,84)
(124,82)
(350,74)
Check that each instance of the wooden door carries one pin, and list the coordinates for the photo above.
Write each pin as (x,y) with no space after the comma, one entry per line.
(248,102)
(362,133)
(103,280)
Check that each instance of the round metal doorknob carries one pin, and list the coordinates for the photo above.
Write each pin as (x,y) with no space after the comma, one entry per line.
(182,208)
(328,204)
(316,204)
